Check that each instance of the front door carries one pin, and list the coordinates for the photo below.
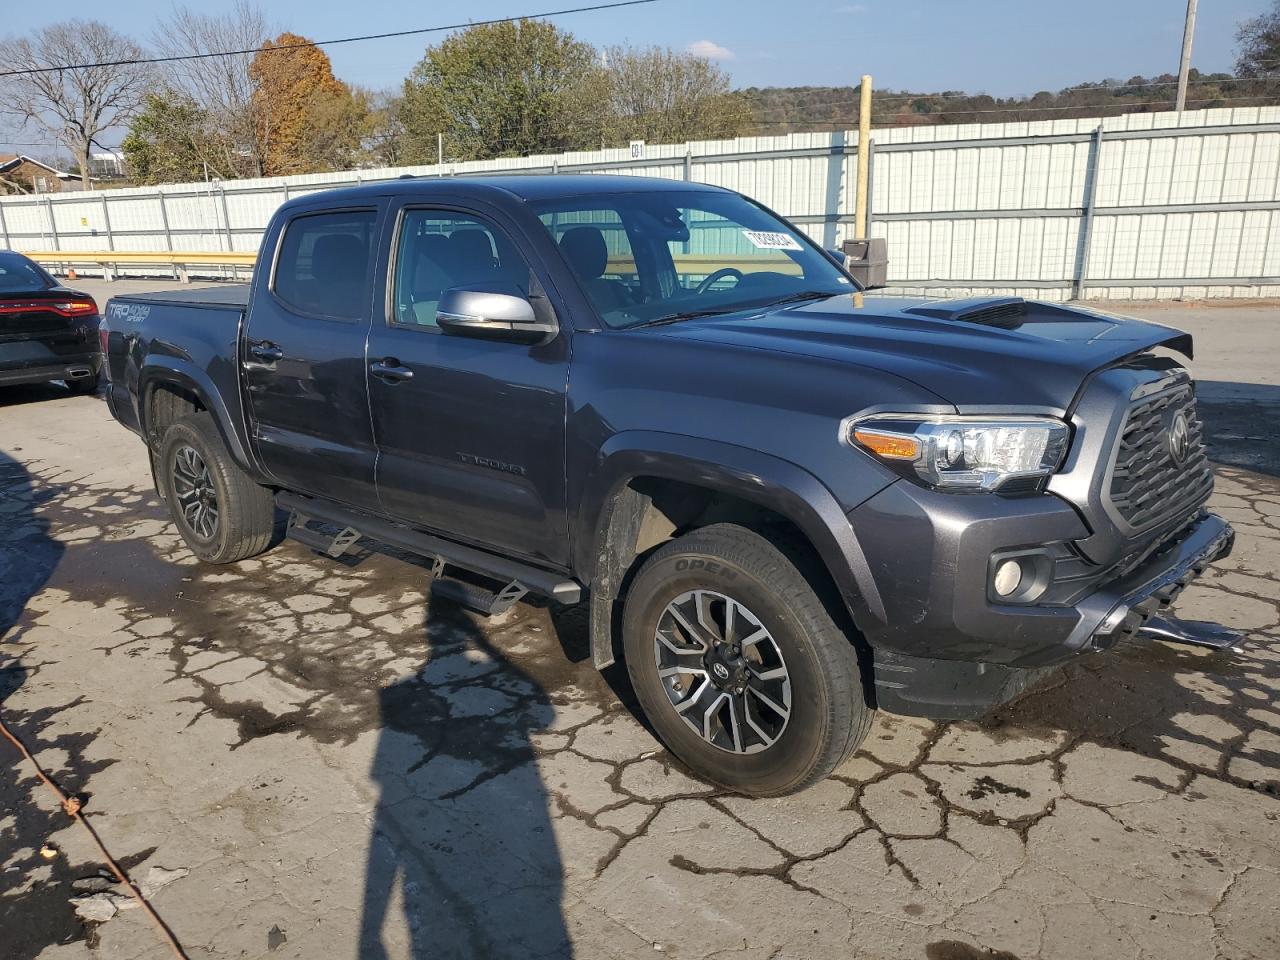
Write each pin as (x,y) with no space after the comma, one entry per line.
(303,355)
(470,433)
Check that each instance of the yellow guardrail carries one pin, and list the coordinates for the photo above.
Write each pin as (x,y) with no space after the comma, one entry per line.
(109,261)
(701,264)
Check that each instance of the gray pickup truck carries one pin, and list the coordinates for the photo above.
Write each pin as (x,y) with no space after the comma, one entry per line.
(787,503)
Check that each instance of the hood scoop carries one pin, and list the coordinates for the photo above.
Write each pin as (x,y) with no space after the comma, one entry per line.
(1007,313)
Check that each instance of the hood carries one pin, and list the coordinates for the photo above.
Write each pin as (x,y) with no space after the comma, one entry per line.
(972,352)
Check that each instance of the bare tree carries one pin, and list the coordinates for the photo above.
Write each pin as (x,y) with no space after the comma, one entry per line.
(74,103)
(221,86)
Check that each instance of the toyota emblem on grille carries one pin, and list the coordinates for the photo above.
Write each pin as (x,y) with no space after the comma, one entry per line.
(1179,437)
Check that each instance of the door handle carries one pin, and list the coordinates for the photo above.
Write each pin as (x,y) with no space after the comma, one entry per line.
(266,351)
(390,370)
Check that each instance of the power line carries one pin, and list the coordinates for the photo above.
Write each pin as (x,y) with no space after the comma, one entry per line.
(326,43)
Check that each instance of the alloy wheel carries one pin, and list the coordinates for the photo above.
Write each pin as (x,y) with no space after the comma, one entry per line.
(722,671)
(196,494)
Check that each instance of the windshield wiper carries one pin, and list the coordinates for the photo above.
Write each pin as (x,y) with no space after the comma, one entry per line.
(677,317)
(802,296)
(695,314)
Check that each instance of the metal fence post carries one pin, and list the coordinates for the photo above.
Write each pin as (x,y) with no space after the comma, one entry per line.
(164,221)
(1086,223)
(835,188)
(4,228)
(871,184)
(688,163)
(226,215)
(53,226)
(106,222)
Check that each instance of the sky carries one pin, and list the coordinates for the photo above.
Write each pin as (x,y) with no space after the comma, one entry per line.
(1000,47)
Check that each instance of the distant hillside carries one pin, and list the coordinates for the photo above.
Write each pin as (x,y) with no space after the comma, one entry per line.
(788,109)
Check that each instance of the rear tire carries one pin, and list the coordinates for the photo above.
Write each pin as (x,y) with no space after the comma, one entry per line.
(790,683)
(221,513)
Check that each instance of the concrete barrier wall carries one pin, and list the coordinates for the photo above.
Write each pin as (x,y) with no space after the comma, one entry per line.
(1134,206)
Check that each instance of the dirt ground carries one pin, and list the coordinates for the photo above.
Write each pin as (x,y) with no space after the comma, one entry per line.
(346,769)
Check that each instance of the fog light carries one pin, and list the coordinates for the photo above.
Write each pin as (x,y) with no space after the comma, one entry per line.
(1008,577)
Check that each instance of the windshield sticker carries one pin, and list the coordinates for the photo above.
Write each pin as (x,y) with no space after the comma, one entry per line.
(763,240)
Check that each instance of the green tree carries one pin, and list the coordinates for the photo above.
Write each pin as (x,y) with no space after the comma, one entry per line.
(167,141)
(660,95)
(1259,40)
(502,89)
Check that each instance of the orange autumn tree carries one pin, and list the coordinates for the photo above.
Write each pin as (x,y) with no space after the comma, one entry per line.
(307,119)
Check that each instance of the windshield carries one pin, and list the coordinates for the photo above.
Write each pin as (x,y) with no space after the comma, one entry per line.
(658,257)
(20,275)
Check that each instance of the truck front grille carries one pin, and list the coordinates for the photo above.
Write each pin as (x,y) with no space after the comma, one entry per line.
(1148,484)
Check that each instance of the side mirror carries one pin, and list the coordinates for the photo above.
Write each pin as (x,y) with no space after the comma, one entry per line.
(493,312)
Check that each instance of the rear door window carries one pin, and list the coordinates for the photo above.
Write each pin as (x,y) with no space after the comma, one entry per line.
(323,267)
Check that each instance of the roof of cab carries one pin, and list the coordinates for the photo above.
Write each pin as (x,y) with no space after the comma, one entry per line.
(519,187)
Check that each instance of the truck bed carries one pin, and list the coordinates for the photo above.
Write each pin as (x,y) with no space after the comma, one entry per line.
(221,295)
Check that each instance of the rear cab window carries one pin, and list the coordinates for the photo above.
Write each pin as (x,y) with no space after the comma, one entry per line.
(322,268)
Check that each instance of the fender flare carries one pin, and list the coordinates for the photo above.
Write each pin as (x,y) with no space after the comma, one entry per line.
(177,372)
(779,485)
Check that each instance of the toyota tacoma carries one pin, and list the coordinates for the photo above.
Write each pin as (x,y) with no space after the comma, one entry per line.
(787,503)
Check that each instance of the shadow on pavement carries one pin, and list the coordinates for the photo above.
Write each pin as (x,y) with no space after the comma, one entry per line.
(1242,424)
(462,844)
(34,891)
(33,393)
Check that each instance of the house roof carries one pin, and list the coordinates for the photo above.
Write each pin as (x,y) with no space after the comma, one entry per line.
(10,160)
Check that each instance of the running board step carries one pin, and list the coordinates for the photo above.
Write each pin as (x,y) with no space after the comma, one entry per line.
(334,546)
(1195,633)
(516,575)
(478,598)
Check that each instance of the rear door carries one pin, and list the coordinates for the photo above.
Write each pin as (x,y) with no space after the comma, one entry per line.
(303,354)
(470,433)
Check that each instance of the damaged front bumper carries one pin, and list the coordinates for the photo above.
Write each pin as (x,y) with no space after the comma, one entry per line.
(1121,609)
(960,688)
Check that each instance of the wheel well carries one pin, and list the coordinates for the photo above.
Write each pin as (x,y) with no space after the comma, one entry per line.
(673,508)
(166,404)
(650,511)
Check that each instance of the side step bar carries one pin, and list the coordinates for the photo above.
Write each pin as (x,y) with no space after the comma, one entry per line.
(1195,633)
(518,577)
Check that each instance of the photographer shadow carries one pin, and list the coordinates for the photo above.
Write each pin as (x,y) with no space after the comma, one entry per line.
(462,845)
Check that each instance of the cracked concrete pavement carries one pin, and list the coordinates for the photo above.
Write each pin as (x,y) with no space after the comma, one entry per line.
(349,769)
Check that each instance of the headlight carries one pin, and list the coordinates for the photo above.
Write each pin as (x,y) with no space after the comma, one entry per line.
(961,453)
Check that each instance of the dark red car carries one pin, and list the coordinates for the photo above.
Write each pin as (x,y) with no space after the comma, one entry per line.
(47,331)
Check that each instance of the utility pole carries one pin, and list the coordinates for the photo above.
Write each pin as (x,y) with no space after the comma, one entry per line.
(440,148)
(864,160)
(1184,68)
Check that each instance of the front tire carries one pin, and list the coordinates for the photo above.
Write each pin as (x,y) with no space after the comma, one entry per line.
(221,513)
(738,664)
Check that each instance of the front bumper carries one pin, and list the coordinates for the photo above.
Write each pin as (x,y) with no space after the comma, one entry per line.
(946,649)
